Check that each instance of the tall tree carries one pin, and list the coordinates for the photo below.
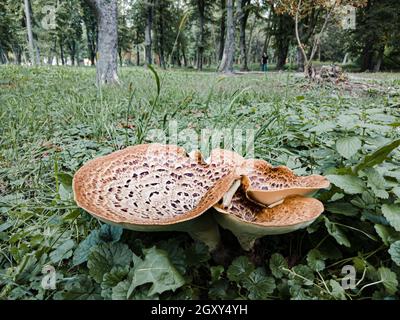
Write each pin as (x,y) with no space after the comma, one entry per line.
(222,29)
(30,33)
(106,15)
(226,65)
(91,31)
(311,10)
(243,10)
(149,28)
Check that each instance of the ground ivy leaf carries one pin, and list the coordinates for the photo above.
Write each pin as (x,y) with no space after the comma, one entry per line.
(392,214)
(302,274)
(348,147)
(394,252)
(258,284)
(64,251)
(315,260)
(109,233)
(106,256)
(387,234)
(389,280)
(337,290)
(349,184)
(81,288)
(156,268)
(115,276)
(197,253)
(216,272)
(240,268)
(337,233)
(276,263)
(82,251)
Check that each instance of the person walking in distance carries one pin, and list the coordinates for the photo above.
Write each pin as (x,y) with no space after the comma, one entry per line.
(264,62)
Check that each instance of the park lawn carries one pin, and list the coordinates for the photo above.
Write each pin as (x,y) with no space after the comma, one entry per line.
(53,119)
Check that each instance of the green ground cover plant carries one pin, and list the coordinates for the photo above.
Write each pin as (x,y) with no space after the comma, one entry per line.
(52,120)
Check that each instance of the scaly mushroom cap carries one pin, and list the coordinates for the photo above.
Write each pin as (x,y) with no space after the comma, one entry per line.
(293,211)
(153,185)
(268,185)
(249,221)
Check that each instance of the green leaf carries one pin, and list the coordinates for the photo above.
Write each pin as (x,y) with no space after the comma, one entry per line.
(240,268)
(377,156)
(109,233)
(392,214)
(344,208)
(276,264)
(387,234)
(157,269)
(377,183)
(348,147)
(106,256)
(216,272)
(106,233)
(389,280)
(65,180)
(64,251)
(120,292)
(156,77)
(115,276)
(394,252)
(197,253)
(259,285)
(81,288)
(302,275)
(349,184)
(337,233)
(315,260)
(337,290)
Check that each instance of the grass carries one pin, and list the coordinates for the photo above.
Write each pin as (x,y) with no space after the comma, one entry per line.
(55,119)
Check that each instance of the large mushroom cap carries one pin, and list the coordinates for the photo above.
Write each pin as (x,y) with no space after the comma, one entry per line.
(293,212)
(249,221)
(268,185)
(152,185)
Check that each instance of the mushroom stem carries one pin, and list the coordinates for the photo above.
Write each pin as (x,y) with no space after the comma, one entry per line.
(227,198)
(203,228)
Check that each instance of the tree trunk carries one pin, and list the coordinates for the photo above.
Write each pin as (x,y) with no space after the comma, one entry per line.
(185,63)
(367,56)
(149,27)
(228,57)
(379,60)
(300,60)
(243,13)
(30,34)
(222,30)
(161,41)
(106,14)
(137,55)
(200,39)
(62,51)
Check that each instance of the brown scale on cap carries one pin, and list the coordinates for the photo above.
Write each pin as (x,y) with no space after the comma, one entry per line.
(293,211)
(263,176)
(153,184)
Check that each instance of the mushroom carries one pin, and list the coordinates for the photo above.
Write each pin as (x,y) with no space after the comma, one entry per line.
(157,188)
(249,221)
(269,185)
